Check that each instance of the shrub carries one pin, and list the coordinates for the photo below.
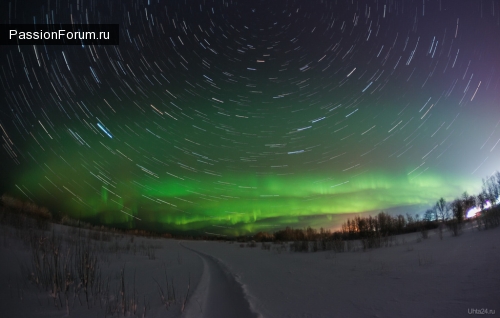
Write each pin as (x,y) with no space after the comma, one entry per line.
(300,246)
(489,218)
(24,215)
(266,246)
(455,227)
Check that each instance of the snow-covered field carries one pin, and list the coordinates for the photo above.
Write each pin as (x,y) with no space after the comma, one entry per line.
(414,278)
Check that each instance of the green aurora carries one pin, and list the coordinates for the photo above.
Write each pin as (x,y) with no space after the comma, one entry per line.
(230,118)
(234,203)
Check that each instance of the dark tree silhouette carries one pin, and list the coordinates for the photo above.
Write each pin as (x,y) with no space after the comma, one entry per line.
(468,201)
(491,187)
(429,215)
(441,209)
(481,199)
(457,207)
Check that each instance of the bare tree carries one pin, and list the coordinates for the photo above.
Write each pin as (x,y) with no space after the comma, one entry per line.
(481,199)
(497,179)
(468,202)
(457,207)
(429,215)
(491,188)
(441,209)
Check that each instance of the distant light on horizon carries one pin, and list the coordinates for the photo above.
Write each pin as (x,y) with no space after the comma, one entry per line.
(472,212)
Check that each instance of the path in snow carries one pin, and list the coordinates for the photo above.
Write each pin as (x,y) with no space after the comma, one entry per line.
(218,294)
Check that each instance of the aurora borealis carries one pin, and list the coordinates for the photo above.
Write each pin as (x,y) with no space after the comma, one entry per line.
(230,117)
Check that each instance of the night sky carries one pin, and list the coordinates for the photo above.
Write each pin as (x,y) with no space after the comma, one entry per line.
(230,117)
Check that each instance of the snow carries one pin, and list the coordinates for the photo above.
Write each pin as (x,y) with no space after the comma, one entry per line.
(414,278)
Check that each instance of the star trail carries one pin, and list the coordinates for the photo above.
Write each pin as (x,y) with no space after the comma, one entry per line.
(237,116)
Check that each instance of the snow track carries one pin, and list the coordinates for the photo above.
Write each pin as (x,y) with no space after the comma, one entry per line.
(218,294)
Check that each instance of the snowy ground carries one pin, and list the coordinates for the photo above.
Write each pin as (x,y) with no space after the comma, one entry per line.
(413,278)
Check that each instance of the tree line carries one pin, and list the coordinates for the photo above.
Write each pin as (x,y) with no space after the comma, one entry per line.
(372,229)
(486,202)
